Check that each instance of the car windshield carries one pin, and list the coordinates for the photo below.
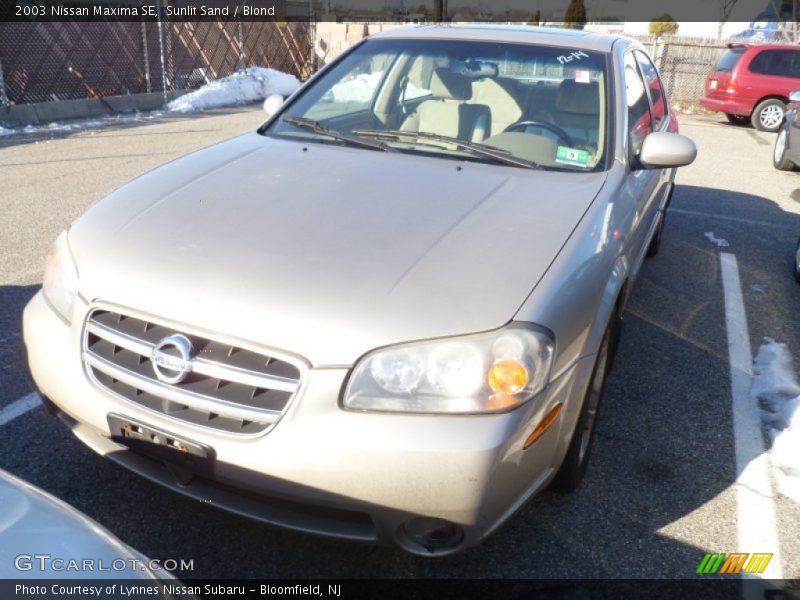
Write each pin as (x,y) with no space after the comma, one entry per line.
(514,104)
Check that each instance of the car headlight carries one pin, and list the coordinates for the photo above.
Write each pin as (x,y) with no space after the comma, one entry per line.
(488,372)
(60,284)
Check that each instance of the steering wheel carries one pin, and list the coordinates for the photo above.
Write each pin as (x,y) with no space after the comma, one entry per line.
(523,125)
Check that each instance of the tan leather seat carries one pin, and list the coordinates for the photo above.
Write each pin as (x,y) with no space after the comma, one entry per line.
(576,110)
(448,112)
(498,95)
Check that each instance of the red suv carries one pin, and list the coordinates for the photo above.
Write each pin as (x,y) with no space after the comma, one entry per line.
(753,81)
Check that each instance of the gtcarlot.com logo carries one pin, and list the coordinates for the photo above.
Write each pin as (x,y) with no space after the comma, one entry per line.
(50,563)
(741,562)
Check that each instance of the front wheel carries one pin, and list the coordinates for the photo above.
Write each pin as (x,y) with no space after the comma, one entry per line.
(768,115)
(573,468)
(655,242)
(797,262)
(780,159)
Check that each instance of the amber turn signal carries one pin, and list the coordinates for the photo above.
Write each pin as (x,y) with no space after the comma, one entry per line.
(508,376)
(548,420)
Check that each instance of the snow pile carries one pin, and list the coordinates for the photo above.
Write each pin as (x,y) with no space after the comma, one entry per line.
(778,393)
(253,84)
(361,88)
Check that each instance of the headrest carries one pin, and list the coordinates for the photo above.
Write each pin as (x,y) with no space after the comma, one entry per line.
(578,98)
(446,84)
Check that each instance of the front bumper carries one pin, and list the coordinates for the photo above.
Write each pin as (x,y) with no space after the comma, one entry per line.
(326,470)
(731,106)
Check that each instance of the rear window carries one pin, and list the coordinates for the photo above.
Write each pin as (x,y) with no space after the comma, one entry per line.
(728,60)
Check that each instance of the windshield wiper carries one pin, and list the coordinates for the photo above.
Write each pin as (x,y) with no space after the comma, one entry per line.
(483,149)
(321,129)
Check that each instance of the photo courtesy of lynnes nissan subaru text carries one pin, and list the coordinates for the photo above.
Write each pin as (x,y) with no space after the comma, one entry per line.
(387,314)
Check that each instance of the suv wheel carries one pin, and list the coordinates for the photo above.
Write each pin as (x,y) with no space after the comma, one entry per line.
(737,119)
(768,115)
(779,159)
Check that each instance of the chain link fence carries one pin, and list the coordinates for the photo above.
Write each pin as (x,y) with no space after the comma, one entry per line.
(50,62)
(684,64)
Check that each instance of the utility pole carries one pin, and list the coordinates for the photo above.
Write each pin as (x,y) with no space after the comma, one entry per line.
(439,10)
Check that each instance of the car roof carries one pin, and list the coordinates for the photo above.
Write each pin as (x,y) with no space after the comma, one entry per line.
(757,46)
(520,34)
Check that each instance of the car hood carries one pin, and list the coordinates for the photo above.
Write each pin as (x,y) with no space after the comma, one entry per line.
(327,251)
(34,523)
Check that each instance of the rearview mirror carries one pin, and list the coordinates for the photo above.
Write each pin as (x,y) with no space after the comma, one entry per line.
(794,96)
(272,104)
(661,150)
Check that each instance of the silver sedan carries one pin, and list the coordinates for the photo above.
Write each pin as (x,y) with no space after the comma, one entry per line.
(388,313)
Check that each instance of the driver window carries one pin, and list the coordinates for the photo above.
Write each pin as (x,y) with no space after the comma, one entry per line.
(353,93)
(639,118)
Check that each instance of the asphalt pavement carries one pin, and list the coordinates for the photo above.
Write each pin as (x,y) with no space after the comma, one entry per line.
(660,491)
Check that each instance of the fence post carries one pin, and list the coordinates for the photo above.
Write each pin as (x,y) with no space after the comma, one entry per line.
(241,46)
(146,54)
(3,95)
(164,81)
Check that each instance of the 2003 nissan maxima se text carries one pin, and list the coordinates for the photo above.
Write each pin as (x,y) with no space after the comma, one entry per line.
(388,313)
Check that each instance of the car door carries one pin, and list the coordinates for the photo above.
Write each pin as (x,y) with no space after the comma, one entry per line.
(645,186)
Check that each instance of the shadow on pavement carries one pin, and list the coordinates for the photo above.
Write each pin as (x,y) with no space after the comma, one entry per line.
(14,379)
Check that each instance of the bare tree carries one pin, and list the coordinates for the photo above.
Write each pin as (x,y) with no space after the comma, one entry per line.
(725,9)
(575,17)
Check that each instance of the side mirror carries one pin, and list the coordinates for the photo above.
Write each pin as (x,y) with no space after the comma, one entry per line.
(272,104)
(794,96)
(662,150)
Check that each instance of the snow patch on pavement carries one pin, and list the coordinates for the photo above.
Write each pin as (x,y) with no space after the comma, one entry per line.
(253,84)
(776,388)
(721,243)
(78,125)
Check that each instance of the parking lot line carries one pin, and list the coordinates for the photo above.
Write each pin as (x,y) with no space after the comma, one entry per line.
(697,213)
(754,497)
(19,407)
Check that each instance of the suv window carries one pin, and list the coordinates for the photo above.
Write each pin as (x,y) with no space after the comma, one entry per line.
(639,118)
(782,63)
(657,97)
(728,60)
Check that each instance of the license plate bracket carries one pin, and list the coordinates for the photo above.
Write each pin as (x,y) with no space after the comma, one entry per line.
(162,445)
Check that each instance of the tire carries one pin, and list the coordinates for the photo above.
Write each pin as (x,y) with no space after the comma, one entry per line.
(573,468)
(780,160)
(797,262)
(768,115)
(655,243)
(737,119)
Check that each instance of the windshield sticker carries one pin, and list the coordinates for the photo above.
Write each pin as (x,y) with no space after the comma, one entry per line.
(582,76)
(577,55)
(572,156)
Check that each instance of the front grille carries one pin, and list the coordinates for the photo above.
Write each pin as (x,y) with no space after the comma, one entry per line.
(228,388)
